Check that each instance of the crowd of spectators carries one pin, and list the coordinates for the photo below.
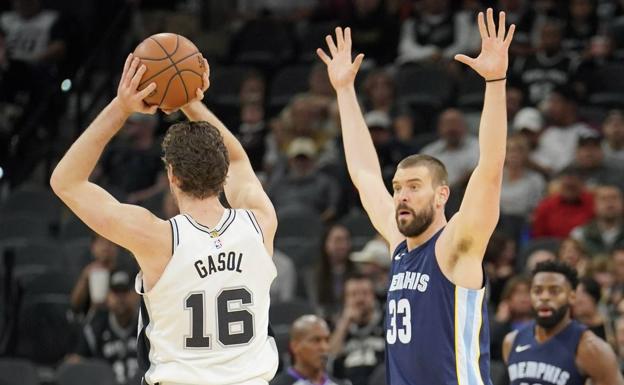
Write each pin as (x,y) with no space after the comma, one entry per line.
(563,183)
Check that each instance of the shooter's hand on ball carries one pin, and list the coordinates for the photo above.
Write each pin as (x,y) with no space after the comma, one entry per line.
(129,98)
(199,94)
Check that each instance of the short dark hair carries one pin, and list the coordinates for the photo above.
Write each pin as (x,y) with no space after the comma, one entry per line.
(198,158)
(557,267)
(439,175)
(591,287)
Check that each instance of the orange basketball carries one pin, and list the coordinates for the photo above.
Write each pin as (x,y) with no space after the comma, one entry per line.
(176,66)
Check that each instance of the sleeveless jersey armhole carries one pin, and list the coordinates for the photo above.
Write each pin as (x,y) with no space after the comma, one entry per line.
(175,235)
(254,223)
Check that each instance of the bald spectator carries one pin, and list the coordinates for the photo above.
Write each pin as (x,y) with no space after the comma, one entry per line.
(613,141)
(557,144)
(572,206)
(458,150)
(309,348)
(358,342)
(606,230)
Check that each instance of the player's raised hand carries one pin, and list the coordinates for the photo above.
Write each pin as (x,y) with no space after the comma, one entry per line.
(340,67)
(128,95)
(493,60)
(199,93)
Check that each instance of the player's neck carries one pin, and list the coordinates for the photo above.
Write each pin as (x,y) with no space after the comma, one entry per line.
(436,225)
(543,334)
(313,374)
(205,211)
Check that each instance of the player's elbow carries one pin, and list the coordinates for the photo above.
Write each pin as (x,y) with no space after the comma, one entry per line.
(59,183)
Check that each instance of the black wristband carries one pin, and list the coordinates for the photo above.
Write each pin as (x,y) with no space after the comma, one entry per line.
(495,80)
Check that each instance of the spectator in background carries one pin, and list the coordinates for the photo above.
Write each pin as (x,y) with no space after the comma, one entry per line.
(457,149)
(285,284)
(252,133)
(294,10)
(434,33)
(515,101)
(34,35)
(606,230)
(585,308)
(326,288)
(358,340)
(105,254)
(574,254)
(599,53)
(557,214)
(500,255)
(522,188)
(530,123)
(318,82)
(547,68)
(581,26)
(374,31)
(513,312)
(537,257)
(110,335)
(303,183)
(373,261)
(253,88)
(132,164)
(590,164)
(617,261)
(309,349)
(557,144)
(379,89)
(389,150)
(613,141)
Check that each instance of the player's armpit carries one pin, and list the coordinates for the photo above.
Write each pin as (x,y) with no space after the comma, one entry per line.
(129,226)
(597,360)
(508,343)
(379,206)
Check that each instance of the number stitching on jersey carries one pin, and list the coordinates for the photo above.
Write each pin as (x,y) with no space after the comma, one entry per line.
(404,333)
(241,297)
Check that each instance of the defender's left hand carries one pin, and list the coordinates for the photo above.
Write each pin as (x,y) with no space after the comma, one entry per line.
(493,60)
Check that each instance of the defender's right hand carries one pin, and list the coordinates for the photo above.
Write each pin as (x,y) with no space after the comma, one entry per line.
(340,68)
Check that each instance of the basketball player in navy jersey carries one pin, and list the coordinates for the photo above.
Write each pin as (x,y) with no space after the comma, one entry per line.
(555,349)
(436,318)
(205,273)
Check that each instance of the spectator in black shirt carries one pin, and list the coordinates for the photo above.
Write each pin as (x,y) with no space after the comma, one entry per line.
(358,342)
(548,68)
(309,348)
(581,25)
(375,32)
(110,334)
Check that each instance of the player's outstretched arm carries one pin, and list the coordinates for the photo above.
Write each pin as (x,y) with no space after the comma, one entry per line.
(242,187)
(596,358)
(132,227)
(362,160)
(468,232)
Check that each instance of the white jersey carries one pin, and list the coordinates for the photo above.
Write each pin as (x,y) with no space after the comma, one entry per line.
(206,320)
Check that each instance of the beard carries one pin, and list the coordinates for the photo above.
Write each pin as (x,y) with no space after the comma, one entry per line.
(552,320)
(419,223)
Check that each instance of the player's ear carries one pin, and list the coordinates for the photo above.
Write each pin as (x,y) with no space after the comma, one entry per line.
(442,195)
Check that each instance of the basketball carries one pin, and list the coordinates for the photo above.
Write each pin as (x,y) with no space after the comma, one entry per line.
(176,66)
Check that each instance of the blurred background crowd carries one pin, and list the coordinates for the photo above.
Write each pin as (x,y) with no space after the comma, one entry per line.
(67,304)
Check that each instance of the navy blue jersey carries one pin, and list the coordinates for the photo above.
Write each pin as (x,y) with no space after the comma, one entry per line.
(436,332)
(550,363)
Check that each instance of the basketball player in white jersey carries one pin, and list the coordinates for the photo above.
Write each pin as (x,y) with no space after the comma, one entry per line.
(205,274)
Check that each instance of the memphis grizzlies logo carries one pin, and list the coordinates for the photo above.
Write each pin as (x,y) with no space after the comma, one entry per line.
(531,370)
